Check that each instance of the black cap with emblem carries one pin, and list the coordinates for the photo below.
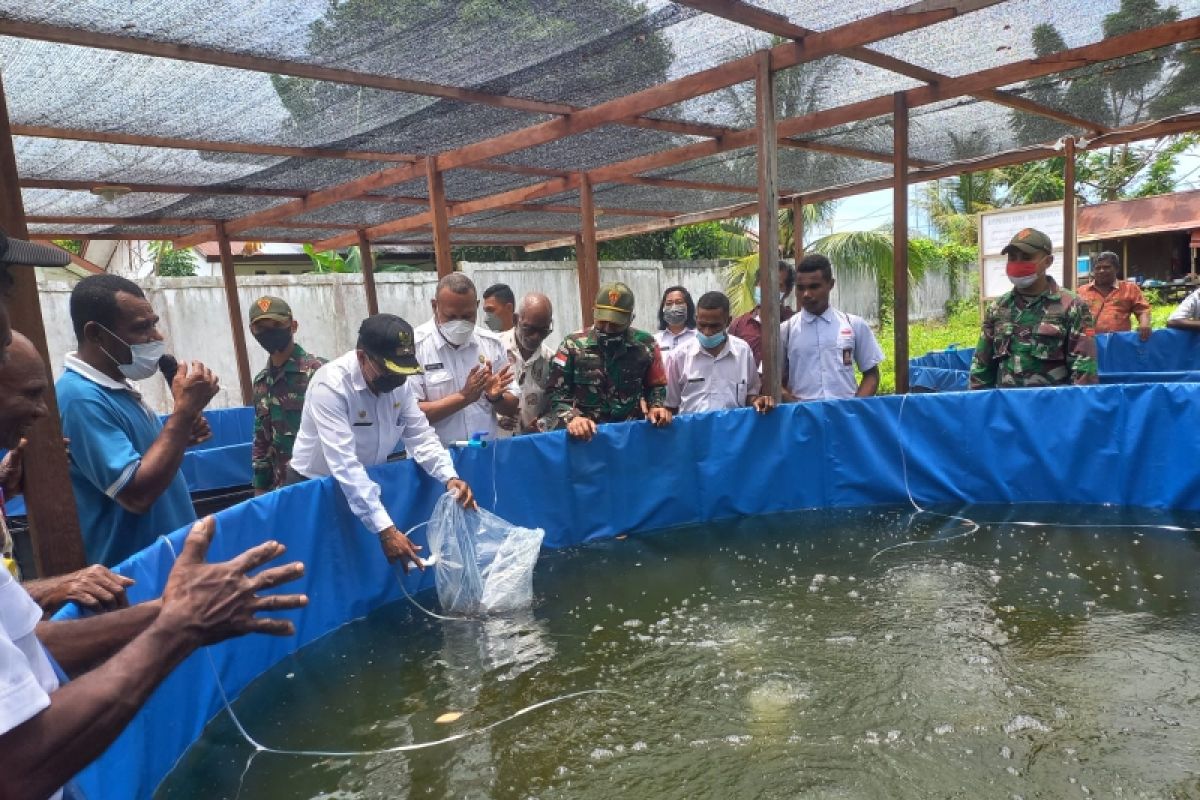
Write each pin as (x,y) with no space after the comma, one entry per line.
(390,339)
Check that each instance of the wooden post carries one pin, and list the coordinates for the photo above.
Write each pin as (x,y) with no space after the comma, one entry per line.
(236,324)
(586,256)
(768,222)
(441,221)
(900,239)
(368,272)
(797,229)
(49,502)
(1070,264)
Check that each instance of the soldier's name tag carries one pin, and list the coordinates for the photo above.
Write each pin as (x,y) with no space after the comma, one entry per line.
(432,367)
(847,357)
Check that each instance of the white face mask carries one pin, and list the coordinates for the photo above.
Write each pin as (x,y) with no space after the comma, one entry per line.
(1023,282)
(458,331)
(145,358)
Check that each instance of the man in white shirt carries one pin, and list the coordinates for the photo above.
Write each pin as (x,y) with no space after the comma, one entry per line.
(714,370)
(821,345)
(466,379)
(358,407)
(1186,317)
(530,357)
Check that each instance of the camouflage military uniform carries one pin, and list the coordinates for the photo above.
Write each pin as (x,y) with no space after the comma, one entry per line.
(1040,341)
(604,385)
(278,401)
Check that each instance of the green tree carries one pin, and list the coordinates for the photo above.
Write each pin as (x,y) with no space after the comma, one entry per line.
(172,263)
(379,35)
(852,253)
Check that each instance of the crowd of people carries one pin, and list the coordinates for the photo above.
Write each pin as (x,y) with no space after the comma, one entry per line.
(445,383)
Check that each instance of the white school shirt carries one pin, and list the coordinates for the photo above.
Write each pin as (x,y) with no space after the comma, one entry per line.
(26,677)
(345,428)
(669,343)
(531,375)
(446,368)
(698,381)
(820,352)
(1188,309)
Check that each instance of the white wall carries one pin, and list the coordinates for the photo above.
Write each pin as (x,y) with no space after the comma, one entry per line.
(329,307)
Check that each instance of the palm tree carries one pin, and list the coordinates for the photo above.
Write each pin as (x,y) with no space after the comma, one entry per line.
(852,253)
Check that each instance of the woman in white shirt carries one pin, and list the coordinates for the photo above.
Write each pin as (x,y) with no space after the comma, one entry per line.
(676,320)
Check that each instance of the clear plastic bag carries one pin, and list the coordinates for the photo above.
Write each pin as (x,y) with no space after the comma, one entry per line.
(483,564)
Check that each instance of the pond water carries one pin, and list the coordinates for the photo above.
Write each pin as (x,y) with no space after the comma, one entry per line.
(767,658)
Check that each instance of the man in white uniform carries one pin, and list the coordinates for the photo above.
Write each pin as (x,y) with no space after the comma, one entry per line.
(714,371)
(467,380)
(530,357)
(821,345)
(357,409)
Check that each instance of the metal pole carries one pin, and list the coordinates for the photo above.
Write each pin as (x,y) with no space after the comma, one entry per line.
(1070,263)
(900,239)
(368,272)
(236,323)
(768,223)
(53,521)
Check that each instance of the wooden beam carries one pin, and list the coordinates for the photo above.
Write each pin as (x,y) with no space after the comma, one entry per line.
(862,31)
(768,223)
(160,188)
(205,145)
(620,232)
(673,183)
(237,325)
(166,221)
(368,272)
(438,219)
(587,258)
(1183,123)
(839,150)
(49,501)
(900,241)
(1070,247)
(779,25)
(511,231)
(557,208)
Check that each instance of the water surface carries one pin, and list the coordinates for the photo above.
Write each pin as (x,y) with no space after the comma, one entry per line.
(767,658)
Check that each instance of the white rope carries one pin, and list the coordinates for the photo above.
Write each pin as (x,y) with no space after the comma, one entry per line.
(976,526)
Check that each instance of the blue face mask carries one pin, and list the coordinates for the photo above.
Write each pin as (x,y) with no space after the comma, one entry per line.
(757,295)
(709,342)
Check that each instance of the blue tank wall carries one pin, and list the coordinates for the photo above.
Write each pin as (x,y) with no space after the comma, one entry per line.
(1122,444)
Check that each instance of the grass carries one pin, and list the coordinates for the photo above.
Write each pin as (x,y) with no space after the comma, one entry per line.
(961,327)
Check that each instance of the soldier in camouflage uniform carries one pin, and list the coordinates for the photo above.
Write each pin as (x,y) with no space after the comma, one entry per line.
(278,391)
(1037,334)
(604,374)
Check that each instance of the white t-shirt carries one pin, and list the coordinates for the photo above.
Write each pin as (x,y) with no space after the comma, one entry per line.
(1189,308)
(821,351)
(669,342)
(26,677)
(698,381)
(446,369)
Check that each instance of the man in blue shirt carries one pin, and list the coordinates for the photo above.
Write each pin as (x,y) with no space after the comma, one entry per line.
(124,461)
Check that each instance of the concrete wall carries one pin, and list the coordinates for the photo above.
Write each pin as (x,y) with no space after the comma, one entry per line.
(330,307)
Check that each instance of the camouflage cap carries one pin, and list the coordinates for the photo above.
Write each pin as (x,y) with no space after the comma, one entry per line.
(390,339)
(1031,242)
(614,303)
(268,307)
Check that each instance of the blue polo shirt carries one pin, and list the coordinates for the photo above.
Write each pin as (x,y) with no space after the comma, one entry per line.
(110,428)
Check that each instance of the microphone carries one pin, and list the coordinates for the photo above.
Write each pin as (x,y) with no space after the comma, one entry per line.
(168,365)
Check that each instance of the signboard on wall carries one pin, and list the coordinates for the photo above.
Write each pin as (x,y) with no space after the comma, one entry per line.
(996,230)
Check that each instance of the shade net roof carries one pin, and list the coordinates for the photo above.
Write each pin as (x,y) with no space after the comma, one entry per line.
(198,141)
